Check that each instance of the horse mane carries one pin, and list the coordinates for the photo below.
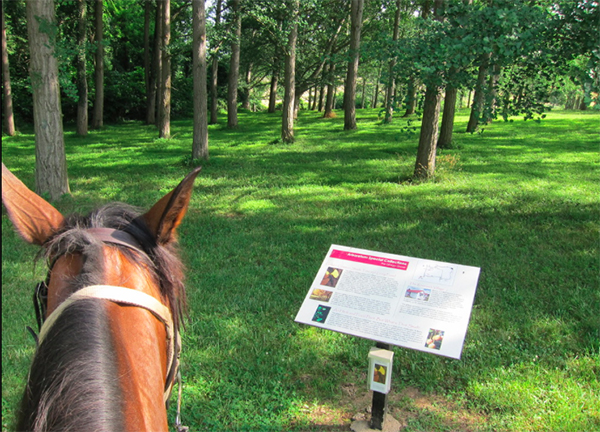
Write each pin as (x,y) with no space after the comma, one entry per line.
(72,384)
(73,381)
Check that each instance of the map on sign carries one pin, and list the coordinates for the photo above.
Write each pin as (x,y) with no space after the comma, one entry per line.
(409,302)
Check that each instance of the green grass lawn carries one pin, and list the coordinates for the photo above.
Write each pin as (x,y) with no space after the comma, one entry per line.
(520,200)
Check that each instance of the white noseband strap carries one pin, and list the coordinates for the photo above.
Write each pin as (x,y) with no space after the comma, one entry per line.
(129,297)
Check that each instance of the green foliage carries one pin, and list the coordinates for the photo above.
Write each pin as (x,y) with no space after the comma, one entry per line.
(521,201)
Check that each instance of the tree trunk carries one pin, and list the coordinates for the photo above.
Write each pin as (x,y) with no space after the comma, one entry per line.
(9,120)
(364,93)
(245,93)
(445,139)
(234,68)
(376,94)
(479,97)
(411,98)
(330,99)
(164,121)
(214,95)
(214,107)
(321,97)
(50,160)
(297,98)
(98,119)
(273,91)
(491,101)
(425,165)
(147,57)
(389,99)
(200,139)
(82,87)
(350,87)
(287,122)
(155,76)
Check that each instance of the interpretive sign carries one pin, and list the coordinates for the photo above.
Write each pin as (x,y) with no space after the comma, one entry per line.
(398,300)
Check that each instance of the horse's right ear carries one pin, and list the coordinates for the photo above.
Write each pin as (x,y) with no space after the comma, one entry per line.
(165,216)
(34,218)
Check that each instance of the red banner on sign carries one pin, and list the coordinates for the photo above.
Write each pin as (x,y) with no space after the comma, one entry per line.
(369,259)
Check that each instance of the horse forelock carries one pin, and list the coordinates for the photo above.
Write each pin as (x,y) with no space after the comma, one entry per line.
(161,261)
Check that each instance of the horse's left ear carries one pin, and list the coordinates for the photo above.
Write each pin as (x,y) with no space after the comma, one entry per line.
(33,217)
(166,215)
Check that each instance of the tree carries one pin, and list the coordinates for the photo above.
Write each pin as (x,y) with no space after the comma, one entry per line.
(214,107)
(287,123)
(153,95)
(350,87)
(51,163)
(164,107)
(273,90)
(445,137)
(98,118)
(389,98)
(8,106)
(425,164)
(200,140)
(480,90)
(82,87)
(234,67)
(149,71)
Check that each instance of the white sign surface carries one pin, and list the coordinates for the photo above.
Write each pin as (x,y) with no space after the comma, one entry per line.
(408,302)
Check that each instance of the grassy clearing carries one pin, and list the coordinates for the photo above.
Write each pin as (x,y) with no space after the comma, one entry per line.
(520,200)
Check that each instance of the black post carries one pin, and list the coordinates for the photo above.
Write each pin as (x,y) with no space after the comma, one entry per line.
(379,406)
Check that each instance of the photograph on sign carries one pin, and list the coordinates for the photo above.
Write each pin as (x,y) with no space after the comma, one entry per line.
(409,302)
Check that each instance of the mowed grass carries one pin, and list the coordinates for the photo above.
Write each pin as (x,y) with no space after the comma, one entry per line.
(520,200)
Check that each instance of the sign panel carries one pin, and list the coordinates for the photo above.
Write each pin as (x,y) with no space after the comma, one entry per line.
(398,300)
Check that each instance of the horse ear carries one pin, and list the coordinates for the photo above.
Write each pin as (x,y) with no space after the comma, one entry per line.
(166,215)
(34,218)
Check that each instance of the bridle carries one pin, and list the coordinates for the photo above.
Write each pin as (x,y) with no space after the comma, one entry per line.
(119,295)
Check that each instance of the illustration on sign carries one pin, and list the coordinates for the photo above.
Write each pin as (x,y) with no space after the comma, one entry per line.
(404,301)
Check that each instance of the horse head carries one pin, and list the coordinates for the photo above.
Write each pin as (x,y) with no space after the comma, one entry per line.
(112,306)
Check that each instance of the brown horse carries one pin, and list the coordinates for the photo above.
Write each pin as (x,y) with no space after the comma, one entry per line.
(113,299)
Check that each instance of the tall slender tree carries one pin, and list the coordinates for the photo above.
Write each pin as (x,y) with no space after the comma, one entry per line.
(391,87)
(82,86)
(50,159)
(9,120)
(148,72)
(273,89)
(164,121)
(214,107)
(98,118)
(153,101)
(426,153)
(350,87)
(287,123)
(480,89)
(234,66)
(200,139)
